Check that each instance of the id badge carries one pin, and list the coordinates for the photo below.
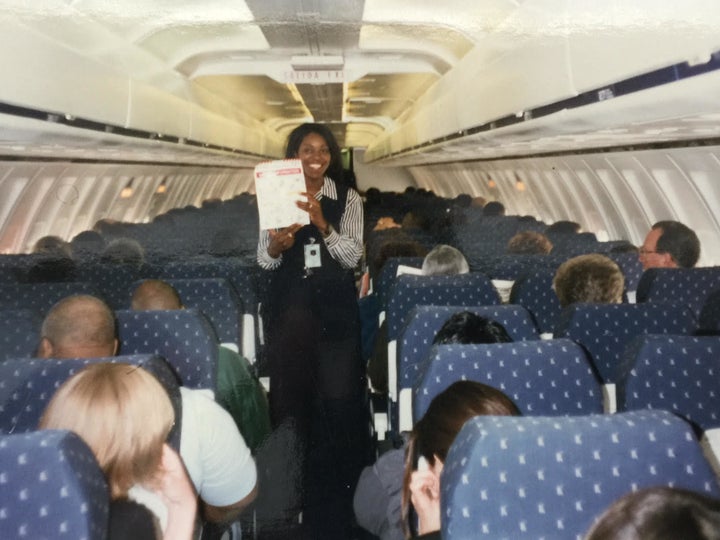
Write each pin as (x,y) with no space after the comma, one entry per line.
(312,255)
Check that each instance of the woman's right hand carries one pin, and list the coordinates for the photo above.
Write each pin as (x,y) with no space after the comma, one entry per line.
(178,494)
(425,497)
(282,240)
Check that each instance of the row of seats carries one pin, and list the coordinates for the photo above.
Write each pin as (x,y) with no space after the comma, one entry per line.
(185,338)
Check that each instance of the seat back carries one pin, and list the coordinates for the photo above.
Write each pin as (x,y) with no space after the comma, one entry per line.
(473,289)
(388,275)
(217,300)
(183,337)
(606,329)
(423,322)
(678,374)
(28,384)
(551,477)
(631,268)
(689,285)
(709,321)
(534,292)
(19,333)
(52,487)
(40,297)
(543,378)
(114,281)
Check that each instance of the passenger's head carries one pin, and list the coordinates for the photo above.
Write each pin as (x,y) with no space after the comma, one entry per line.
(660,513)
(435,432)
(563,227)
(444,260)
(78,327)
(494,208)
(87,244)
(124,251)
(155,294)
(123,414)
(529,243)
(590,278)
(670,244)
(314,144)
(386,222)
(53,245)
(467,327)
(479,202)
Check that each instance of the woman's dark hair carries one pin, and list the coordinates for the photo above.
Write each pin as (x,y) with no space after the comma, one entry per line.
(660,513)
(295,139)
(467,327)
(435,432)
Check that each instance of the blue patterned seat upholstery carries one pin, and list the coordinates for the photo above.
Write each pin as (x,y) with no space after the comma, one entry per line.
(423,322)
(631,268)
(52,488)
(28,384)
(676,373)
(689,285)
(551,477)
(388,274)
(183,337)
(40,297)
(605,330)
(511,267)
(534,292)
(709,321)
(217,300)
(473,289)
(19,333)
(543,378)
(114,281)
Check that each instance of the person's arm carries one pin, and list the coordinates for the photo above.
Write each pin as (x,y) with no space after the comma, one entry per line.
(225,514)
(177,493)
(272,244)
(345,245)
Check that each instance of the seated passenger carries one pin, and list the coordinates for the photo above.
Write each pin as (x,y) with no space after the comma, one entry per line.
(563,227)
(430,442)
(238,390)
(124,251)
(467,327)
(529,243)
(670,244)
(590,278)
(377,500)
(660,513)
(444,260)
(215,455)
(494,208)
(53,245)
(124,415)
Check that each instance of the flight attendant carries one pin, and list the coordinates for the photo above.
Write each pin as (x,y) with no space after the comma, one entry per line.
(313,333)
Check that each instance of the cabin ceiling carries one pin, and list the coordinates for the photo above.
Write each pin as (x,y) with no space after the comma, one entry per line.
(410,80)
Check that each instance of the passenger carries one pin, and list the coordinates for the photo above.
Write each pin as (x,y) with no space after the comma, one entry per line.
(213,451)
(123,251)
(625,247)
(590,278)
(670,244)
(430,442)
(238,390)
(313,333)
(467,327)
(87,245)
(53,245)
(386,222)
(563,227)
(529,243)
(444,260)
(494,208)
(377,501)
(660,513)
(124,415)
(478,202)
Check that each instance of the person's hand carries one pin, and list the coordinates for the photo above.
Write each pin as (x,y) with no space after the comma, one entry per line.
(178,494)
(282,240)
(314,210)
(425,497)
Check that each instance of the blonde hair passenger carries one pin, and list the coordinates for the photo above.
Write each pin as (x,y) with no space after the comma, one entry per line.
(124,415)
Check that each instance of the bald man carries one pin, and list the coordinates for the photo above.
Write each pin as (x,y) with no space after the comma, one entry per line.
(217,459)
(238,390)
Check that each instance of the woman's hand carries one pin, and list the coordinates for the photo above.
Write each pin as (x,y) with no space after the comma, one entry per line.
(282,240)
(314,210)
(425,497)
(178,494)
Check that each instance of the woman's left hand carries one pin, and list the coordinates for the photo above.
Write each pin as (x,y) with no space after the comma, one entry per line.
(314,210)
(425,497)
(178,494)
